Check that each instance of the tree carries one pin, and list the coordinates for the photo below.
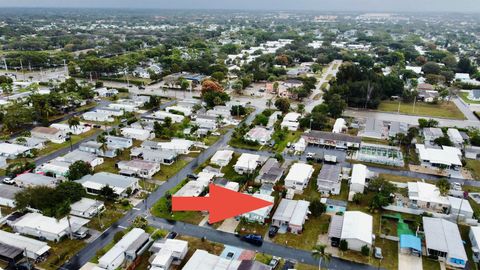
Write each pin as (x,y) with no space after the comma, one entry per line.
(443,141)
(465,66)
(140,222)
(336,105)
(317,208)
(343,245)
(78,169)
(72,190)
(108,193)
(301,108)
(118,236)
(238,110)
(424,123)
(282,104)
(431,68)
(73,122)
(319,253)
(443,186)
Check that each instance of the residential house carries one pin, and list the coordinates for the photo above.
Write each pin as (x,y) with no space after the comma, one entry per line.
(186,111)
(137,134)
(202,260)
(165,157)
(33,249)
(56,168)
(444,242)
(428,95)
(122,185)
(291,215)
(110,111)
(12,150)
(271,172)
(455,136)
(168,252)
(76,130)
(140,168)
(160,116)
(97,117)
(30,142)
(247,163)
(260,135)
(105,92)
(179,146)
(260,215)
(425,87)
(7,195)
(115,142)
(78,155)
(52,134)
(427,196)
(355,227)
(430,134)
(298,177)
(329,179)
(447,157)
(474,95)
(334,206)
(335,140)
(474,235)
(87,208)
(95,148)
(460,208)
(222,158)
(43,227)
(358,180)
(25,180)
(291,121)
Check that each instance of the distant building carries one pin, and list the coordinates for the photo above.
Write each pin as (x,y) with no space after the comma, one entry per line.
(291,121)
(52,134)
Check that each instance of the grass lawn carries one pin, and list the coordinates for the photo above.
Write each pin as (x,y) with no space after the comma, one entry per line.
(160,209)
(292,137)
(106,219)
(464,96)
(444,109)
(429,264)
(389,252)
(238,143)
(343,196)
(324,86)
(167,171)
(398,178)
(313,227)
(329,77)
(61,252)
(246,227)
(374,141)
(53,147)
(263,258)
(228,171)
(474,167)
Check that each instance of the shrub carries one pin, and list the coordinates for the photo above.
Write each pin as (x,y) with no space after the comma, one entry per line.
(343,245)
(365,250)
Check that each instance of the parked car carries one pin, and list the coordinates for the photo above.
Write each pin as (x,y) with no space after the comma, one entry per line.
(8,181)
(192,176)
(253,239)
(289,264)
(274,262)
(272,231)
(171,235)
(457,186)
(81,234)
(378,253)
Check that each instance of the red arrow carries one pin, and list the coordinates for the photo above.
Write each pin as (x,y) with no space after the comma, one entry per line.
(222,203)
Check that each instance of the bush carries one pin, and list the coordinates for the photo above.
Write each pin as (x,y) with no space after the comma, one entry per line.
(343,245)
(365,250)
(158,234)
(118,236)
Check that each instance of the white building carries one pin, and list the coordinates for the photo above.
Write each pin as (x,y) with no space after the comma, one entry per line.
(222,158)
(76,130)
(87,208)
(33,179)
(51,229)
(455,136)
(247,163)
(460,208)
(474,236)
(7,195)
(93,184)
(187,111)
(162,115)
(427,196)
(78,155)
(140,168)
(358,179)
(340,126)
(202,260)
(443,240)
(298,177)
(290,121)
(262,214)
(168,252)
(357,230)
(12,151)
(291,215)
(105,92)
(179,146)
(49,133)
(97,117)
(259,134)
(137,134)
(34,249)
(447,157)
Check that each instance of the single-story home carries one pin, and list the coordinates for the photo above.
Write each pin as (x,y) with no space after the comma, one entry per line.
(455,136)
(430,134)
(95,148)
(291,215)
(334,206)
(168,252)
(427,196)
(355,227)
(76,130)
(460,207)
(329,179)
(49,133)
(260,215)
(474,236)
(34,249)
(298,177)
(56,168)
(30,142)
(166,157)
(447,157)
(291,121)
(443,241)
(78,155)
(34,179)
(260,135)
(247,163)
(137,134)
(222,158)
(7,195)
(358,180)
(271,172)
(86,208)
(139,168)
(335,140)
(116,142)
(12,151)
(122,185)
(97,117)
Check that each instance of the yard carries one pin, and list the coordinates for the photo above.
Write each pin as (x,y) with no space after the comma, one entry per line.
(291,137)
(167,171)
(444,109)
(53,147)
(474,167)
(464,96)
(61,252)
(313,227)
(251,227)
(111,215)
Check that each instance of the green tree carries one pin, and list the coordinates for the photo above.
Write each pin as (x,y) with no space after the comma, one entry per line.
(319,253)
(317,208)
(108,193)
(282,104)
(78,169)
(443,186)
(343,245)
(365,250)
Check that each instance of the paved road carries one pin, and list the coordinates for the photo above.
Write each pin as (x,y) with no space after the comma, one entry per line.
(311,103)
(465,109)
(410,119)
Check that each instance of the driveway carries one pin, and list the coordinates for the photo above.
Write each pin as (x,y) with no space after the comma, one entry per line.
(406,261)
(229,225)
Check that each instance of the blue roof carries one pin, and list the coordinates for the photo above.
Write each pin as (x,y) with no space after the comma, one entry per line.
(410,241)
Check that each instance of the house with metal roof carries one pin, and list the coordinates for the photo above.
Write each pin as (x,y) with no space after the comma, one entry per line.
(355,227)
(298,177)
(335,140)
(446,157)
(140,168)
(93,184)
(168,252)
(222,158)
(291,215)
(262,214)
(427,196)
(34,179)
(329,179)
(49,133)
(7,195)
(87,208)
(34,249)
(443,241)
(13,150)
(474,235)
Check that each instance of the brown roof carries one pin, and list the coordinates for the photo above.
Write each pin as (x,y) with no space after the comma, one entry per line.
(45,130)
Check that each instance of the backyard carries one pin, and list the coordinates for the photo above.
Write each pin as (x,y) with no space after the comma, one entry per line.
(443,110)
(464,96)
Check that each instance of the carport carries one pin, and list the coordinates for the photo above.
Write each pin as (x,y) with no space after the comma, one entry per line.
(410,244)
(10,254)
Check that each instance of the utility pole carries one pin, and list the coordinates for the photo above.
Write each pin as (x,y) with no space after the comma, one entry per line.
(5,63)
(414,101)
(65,66)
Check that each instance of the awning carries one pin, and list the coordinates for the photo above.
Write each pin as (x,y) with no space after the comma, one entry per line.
(410,241)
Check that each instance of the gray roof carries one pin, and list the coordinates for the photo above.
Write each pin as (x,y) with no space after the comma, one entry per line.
(337,202)
(335,228)
(35,179)
(10,252)
(330,172)
(476,93)
(443,235)
(332,136)
(8,192)
(111,179)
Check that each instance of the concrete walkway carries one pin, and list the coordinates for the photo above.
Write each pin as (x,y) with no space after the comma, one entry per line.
(410,262)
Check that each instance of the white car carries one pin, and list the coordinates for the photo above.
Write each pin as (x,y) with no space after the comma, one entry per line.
(8,181)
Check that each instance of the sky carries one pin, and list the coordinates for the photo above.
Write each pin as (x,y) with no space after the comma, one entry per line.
(321,5)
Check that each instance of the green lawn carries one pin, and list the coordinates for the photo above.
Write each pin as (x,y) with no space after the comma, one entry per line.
(53,147)
(474,167)
(228,171)
(429,264)
(443,109)
(374,141)
(107,218)
(61,252)
(292,137)
(464,96)
(167,171)
(239,143)
(246,227)
(313,227)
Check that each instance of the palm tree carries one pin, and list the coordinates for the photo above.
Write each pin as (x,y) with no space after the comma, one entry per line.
(73,122)
(318,252)
(269,103)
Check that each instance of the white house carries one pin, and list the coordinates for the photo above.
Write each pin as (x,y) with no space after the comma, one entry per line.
(105,92)
(119,142)
(97,117)
(262,214)
(427,196)
(443,240)
(447,157)
(430,134)
(110,111)
(357,230)
(246,163)
(140,168)
(463,77)
(51,229)
(298,177)
(329,179)
(259,134)
(222,158)
(78,155)
(290,121)
(52,134)
(137,134)
(56,168)
(7,195)
(121,184)
(65,128)
(162,115)
(86,208)
(460,208)
(358,179)
(455,136)
(34,249)
(291,215)
(32,179)
(167,252)
(179,146)
(12,151)
(202,260)
(187,111)
(474,236)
